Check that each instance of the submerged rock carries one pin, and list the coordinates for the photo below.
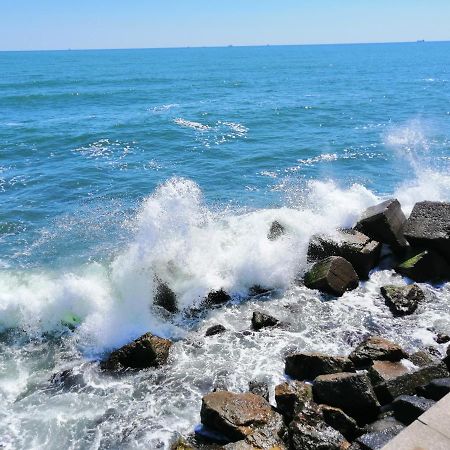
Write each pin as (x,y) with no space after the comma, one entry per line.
(261,320)
(215,329)
(384,223)
(376,348)
(333,275)
(276,230)
(292,397)
(358,249)
(425,266)
(307,366)
(146,351)
(402,300)
(165,297)
(407,408)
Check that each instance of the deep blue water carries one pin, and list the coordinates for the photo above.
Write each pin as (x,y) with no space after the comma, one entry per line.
(86,135)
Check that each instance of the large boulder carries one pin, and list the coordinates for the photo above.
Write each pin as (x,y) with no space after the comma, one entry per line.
(333,275)
(292,397)
(428,227)
(238,416)
(407,408)
(376,348)
(435,389)
(262,320)
(351,392)
(165,297)
(384,223)
(358,249)
(307,366)
(340,421)
(425,266)
(402,300)
(376,440)
(146,351)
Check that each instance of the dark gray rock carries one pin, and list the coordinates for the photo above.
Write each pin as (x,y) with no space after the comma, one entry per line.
(333,275)
(426,266)
(351,392)
(262,320)
(435,389)
(402,300)
(442,338)
(384,223)
(257,290)
(276,230)
(358,249)
(340,421)
(291,398)
(428,227)
(307,366)
(215,329)
(165,297)
(407,408)
(384,422)
(259,388)
(68,379)
(378,439)
(146,351)
(376,348)
(217,297)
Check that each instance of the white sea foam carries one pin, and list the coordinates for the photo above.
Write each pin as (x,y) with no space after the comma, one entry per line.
(190,124)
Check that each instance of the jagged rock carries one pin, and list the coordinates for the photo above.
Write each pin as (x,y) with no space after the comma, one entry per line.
(384,223)
(238,416)
(425,266)
(392,379)
(340,421)
(217,297)
(428,227)
(307,366)
(292,397)
(146,351)
(276,230)
(442,338)
(68,379)
(435,389)
(262,320)
(402,300)
(215,329)
(165,297)
(333,275)
(259,388)
(258,290)
(407,408)
(351,392)
(376,348)
(358,249)
(378,439)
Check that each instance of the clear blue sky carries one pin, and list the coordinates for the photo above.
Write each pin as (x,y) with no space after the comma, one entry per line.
(62,24)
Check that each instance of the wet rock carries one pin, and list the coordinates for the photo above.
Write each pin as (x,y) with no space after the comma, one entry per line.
(427,266)
(68,379)
(262,320)
(351,392)
(407,408)
(384,422)
(428,227)
(358,249)
(217,297)
(447,357)
(442,338)
(376,348)
(276,230)
(292,397)
(215,329)
(378,439)
(259,290)
(341,422)
(165,297)
(259,388)
(333,275)
(384,223)
(307,366)
(392,379)
(402,300)
(146,351)
(435,389)
(238,416)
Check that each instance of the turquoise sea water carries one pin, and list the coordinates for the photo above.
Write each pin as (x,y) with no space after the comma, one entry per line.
(120,166)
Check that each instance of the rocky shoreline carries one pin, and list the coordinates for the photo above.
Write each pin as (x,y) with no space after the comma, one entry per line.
(355,401)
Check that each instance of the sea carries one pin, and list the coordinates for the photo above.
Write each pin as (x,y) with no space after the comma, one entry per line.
(119,168)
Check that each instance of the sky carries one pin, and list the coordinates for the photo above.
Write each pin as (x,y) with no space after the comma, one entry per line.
(81,24)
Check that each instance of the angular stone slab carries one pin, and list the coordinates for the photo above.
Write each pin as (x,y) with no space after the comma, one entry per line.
(407,408)
(376,348)
(435,389)
(426,266)
(292,397)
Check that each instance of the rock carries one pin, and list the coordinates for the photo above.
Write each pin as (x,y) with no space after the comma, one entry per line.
(428,227)
(276,230)
(217,297)
(307,366)
(376,348)
(258,290)
(165,297)
(215,329)
(384,422)
(435,389)
(262,320)
(333,275)
(447,357)
(392,379)
(146,351)
(407,408)
(425,267)
(292,397)
(341,422)
(351,392)
(384,223)
(259,388)
(358,249)
(442,338)
(402,300)
(68,379)
(238,416)
(378,439)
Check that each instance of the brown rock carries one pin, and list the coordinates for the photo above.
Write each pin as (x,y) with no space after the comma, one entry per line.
(292,397)
(340,421)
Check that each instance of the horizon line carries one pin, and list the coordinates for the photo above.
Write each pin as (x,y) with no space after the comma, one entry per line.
(222,46)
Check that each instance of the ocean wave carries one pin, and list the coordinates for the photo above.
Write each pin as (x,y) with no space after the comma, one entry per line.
(190,124)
